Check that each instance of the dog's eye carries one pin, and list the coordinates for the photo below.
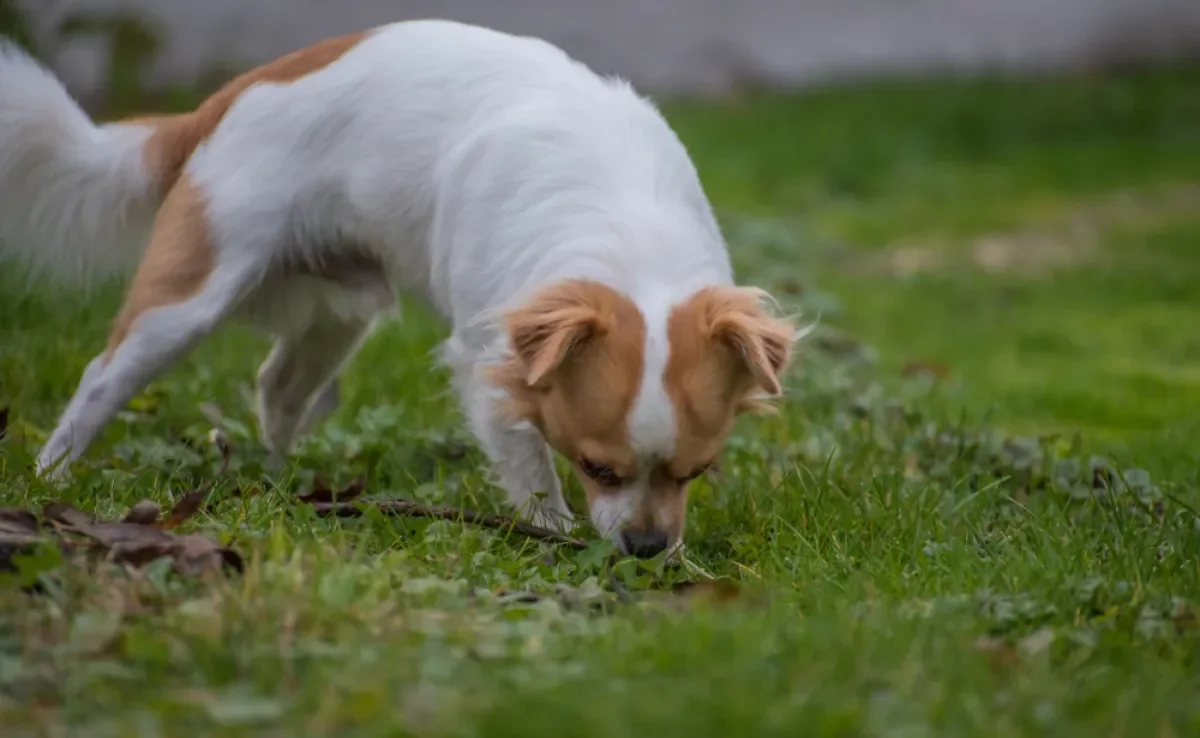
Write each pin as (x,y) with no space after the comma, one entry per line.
(601,473)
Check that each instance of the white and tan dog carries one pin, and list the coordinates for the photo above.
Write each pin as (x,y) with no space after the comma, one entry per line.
(551,215)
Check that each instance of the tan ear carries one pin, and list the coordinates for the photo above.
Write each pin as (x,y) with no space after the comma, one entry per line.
(763,342)
(545,332)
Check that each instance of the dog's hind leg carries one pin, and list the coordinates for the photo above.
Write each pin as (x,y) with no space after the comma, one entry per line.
(297,384)
(181,292)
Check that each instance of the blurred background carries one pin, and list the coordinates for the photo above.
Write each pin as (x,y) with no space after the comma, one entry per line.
(995,200)
(665,46)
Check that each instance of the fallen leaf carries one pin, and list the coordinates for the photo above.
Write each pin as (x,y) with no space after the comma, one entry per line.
(138,544)
(322,493)
(13,541)
(16,520)
(63,514)
(111,535)
(145,512)
(198,555)
(187,507)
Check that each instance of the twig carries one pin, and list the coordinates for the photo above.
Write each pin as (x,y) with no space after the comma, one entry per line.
(410,509)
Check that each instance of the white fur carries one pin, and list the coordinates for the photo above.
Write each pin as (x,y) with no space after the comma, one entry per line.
(75,198)
(474,165)
(652,419)
(610,513)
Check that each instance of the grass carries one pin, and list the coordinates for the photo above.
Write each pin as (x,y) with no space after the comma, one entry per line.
(931,557)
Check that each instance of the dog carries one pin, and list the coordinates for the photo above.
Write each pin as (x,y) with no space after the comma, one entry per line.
(550,214)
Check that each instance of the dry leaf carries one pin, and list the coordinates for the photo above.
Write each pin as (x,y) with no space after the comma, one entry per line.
(60,513)
(137,544)
(16,520)
(18,529)
(322,493)
(145,512)
(187,507)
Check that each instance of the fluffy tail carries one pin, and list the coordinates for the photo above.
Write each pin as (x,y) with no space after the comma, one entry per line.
(76,199)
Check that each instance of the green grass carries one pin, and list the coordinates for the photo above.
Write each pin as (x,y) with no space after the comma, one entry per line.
(921,571)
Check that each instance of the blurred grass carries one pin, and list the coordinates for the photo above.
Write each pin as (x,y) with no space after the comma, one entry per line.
(1088,189)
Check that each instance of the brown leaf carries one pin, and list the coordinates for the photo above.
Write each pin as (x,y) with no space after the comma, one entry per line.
(113,535)
(63,514)
(135,541)
(16,520)
(138,545)
(19,530)
(322,493)
(187,507)
(15,541)
(141,553)
(143,513)
(198,555)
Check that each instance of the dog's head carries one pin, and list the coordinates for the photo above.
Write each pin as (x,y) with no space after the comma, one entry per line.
(641,396)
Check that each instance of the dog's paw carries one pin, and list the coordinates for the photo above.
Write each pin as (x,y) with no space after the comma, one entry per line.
(53,472)
(557,521)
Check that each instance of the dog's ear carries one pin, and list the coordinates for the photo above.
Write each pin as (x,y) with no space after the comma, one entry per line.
(761,342)
(555,323)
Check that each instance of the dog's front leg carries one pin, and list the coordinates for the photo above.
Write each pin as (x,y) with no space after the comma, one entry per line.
(525,467)
(520,458)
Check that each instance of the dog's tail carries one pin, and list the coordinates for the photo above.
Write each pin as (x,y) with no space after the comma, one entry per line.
(77,199)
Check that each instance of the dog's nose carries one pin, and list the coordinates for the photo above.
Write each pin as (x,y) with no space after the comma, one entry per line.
(644,544)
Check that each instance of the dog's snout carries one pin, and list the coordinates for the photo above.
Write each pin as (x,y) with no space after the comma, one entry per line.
(644,544)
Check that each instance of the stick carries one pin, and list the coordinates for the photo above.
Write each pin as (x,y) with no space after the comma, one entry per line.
(410,509)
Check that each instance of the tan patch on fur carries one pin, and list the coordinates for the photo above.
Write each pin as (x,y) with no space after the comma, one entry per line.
(180,254)
(176,137)
(664,509)
(726,350)
(177,262)
(576,370)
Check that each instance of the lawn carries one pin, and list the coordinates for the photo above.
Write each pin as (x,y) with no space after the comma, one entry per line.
(975,515)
